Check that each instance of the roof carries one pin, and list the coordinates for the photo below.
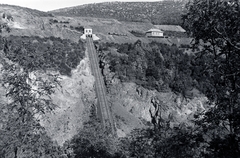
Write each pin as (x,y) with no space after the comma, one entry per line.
(154,30)
(175,28)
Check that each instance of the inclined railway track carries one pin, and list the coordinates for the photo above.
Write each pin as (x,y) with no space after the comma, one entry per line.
(103,107)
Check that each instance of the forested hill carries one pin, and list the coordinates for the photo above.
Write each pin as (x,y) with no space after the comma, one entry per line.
(162,12)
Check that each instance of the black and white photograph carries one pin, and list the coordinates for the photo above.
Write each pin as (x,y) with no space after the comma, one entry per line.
(119,79)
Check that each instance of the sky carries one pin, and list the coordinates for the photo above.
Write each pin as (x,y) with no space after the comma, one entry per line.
(47,5)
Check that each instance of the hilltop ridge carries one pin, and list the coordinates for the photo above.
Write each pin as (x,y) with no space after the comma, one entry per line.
(161,12)
(34,12)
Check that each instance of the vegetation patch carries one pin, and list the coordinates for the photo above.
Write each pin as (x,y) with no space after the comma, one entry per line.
(153,66)
(175,34)
(53,53)
(78,28)
(138,33)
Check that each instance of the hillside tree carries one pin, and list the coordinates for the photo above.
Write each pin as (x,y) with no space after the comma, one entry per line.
(28,98)
(214,25)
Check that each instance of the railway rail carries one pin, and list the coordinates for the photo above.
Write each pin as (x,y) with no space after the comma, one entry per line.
(102,106)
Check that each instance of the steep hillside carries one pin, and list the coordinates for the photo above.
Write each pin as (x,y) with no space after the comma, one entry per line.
(27,22)
(73,100)
(142,76)
(162,12)
(166,99)
(30,39)
(131,106)
(34,12)
(38,40)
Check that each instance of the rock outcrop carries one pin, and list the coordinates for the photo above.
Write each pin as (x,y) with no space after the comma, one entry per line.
(131,106)
(73,100)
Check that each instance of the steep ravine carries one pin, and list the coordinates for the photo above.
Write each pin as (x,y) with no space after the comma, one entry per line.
(73,100)
(131,104)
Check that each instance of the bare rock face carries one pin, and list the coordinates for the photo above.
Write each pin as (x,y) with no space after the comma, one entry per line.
(131,106)
(4,100)
(73,100)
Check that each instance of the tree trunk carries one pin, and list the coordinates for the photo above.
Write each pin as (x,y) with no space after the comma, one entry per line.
(15,152)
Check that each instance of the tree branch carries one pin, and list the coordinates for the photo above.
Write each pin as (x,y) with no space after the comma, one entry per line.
(226,39)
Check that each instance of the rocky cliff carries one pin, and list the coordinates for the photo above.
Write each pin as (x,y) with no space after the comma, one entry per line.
(74,100)
(131,106)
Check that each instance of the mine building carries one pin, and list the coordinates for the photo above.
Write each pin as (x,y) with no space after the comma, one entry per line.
(88,32)
(154,33)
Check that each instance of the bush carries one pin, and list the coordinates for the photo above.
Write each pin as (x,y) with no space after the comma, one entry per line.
(93,141)
(44,53)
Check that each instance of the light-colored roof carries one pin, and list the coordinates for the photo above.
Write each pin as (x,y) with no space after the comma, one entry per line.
(154,30)
(175,28)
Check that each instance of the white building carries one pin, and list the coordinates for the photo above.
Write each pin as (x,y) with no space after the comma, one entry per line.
(154,33)
(88,32)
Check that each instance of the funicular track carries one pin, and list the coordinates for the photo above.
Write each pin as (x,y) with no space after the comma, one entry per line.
(102,106)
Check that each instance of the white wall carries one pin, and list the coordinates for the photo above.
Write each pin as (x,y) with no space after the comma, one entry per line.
(155,34)
(87,31)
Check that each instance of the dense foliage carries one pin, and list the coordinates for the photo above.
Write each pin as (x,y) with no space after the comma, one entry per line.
(21,134)
(215,26)
(153,66)
(92,141)
(162,12)
(213,69)
(4,28)
(44,53)
(182,142)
